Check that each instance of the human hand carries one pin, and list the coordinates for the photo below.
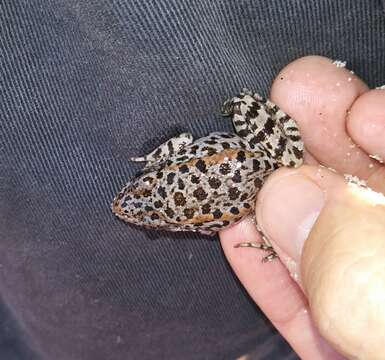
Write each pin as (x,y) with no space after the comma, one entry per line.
(339,270)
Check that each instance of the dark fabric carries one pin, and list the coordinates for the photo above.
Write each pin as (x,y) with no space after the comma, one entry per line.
(86,84)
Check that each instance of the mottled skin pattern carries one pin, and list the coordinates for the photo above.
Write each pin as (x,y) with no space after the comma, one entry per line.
(208,184)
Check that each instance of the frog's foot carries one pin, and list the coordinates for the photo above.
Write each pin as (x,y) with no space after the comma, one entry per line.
(255,95)
(167,149)
(228,107)
(261,246)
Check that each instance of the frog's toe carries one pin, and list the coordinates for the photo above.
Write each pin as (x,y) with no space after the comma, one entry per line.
(228,107)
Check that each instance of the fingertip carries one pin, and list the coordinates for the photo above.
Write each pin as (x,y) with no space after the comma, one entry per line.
(366,124)
(313,81)
(288,206)
(318,93)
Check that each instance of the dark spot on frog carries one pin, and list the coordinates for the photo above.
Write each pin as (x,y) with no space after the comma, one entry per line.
(148,208)
(294,137)
(224,168)
(257,139)
(193,149)
(200,194)
(217,214)
(298,153)
(147,193)
(239,122)
(170,213)
(225,145)
(170,147)
(195,179)
(267,165)
(246,205)
(170,178)
(269,126)
(179,199)
(158,204)
(206,208)
(256,165)
(215,183)
(210,150)
(244,197)
(234,193)
(189,213)
(182,158)
(157,152)
(184,169)
(243,132)
(154,216)
(162,192)
(241,157)
(148,179)
(234,210)
(181,184)
(253,111)
(159,174)
(227,136)
(237,178)
(258,183)
(201,166)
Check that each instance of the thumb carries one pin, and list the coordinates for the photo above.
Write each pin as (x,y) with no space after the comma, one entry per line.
(331,236)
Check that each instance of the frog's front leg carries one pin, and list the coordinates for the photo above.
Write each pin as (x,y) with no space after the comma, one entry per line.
(165,150)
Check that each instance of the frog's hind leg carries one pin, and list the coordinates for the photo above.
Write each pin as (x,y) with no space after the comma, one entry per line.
(261,246)
(290,152)
(165,150)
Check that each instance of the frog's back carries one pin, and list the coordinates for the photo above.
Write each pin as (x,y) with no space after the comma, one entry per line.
(204,187)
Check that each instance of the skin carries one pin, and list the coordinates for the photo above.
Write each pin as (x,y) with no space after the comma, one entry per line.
(341,122)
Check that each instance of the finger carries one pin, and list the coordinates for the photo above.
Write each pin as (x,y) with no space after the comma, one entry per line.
(366,126)
(288,206)
(341,262)
(318,95)
(272,288)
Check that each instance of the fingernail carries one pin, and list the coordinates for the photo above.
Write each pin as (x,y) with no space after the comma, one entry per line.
(288,207)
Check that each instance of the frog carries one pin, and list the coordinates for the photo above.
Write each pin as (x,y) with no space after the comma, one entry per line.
(211,183)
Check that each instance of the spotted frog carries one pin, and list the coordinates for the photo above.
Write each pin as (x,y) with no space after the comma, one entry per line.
(210,183)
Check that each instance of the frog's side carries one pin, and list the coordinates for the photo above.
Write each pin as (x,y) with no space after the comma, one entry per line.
(208,184)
